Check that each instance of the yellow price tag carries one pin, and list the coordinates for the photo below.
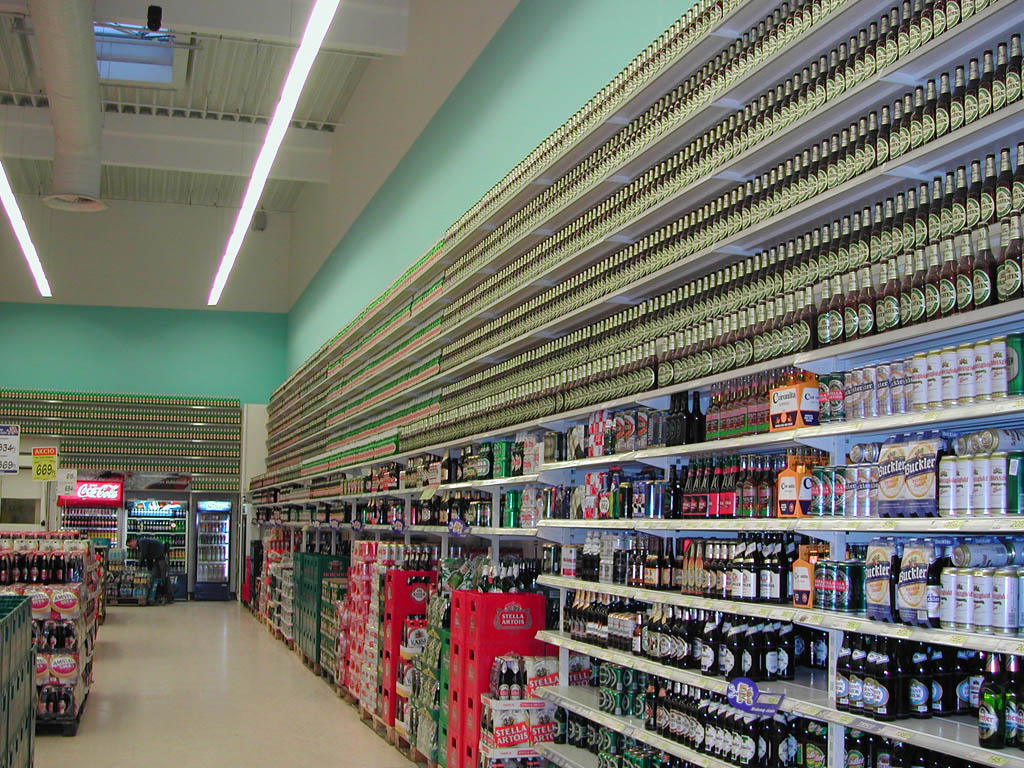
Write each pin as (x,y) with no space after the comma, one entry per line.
(428,492)
(44,464)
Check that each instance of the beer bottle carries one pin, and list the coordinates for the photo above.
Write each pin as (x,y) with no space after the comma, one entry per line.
(972,95)
(935,212)
(903,35)
(876,250)
(998,80)
(973,200)
(948,280)
(931,99)
(992,705)
(1008,265)
(960,203)
(883,135)
(843,248)
(887,305)
(922,216)
(806,323)
(907,291)
(985,84)
(835,313)
(965,274)
(906,122)
(931,285)
(988,192)
(1004,186)
(917,119)
(985,273)
(1012,708)
(1013,71)
(1018,180)
(896,145)
(942,106)
(943,674)
(919,685)
(865,304)
(957,105)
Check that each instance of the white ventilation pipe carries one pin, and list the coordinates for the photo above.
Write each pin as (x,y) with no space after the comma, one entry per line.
(66,45)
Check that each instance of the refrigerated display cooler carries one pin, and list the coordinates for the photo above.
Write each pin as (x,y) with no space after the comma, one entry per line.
(214,520)
(165,520)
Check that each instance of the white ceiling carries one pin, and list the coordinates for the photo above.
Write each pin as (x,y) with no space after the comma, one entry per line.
(170,150)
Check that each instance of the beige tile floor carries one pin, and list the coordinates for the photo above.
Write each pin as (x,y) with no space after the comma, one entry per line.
(204,685)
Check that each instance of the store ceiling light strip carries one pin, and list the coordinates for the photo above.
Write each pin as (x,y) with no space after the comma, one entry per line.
(316,29)
(28,248)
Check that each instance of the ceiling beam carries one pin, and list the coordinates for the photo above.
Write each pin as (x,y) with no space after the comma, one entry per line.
(360,26)
(175,144)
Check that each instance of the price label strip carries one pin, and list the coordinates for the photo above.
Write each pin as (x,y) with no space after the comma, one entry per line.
(10,445)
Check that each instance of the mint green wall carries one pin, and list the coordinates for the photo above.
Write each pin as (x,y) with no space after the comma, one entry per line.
(156,351)
(547,59)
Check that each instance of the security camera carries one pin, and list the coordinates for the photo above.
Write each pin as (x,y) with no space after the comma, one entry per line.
(154,17)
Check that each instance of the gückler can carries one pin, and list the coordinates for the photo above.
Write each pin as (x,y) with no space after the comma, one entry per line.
(851,506)
(947,597)
(963,486)
(918,368)
(962,615)
(981,486)
(1000,385)
(883,389)
(981,600)
(965,374)
(949,385)
(934,378)
(998,465)
(982,371)
(987,440)
(1006,601)
(984,554)
(947,471)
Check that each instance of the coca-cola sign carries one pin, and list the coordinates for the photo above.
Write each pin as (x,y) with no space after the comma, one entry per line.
(94,493)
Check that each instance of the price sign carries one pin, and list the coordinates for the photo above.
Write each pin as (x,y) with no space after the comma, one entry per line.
(744,694)
(67,479)
(44,464)
(398,525)
(428,492)
(357,525)
(10,445)
(458,527)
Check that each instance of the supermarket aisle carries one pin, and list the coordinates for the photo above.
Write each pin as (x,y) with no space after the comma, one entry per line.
(205,685)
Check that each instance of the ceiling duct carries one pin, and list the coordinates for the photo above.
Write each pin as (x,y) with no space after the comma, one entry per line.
(66,47)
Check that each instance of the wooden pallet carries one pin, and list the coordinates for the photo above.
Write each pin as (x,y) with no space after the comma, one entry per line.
(405,746)
(126,601)
(66,725)
(381,728)
(313,666)
(346,694)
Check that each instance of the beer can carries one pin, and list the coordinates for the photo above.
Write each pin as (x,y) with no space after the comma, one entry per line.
(1006,601)
(963,486)
(997,501)
(965,374)
(962,445)
(964,589)
(870,508)
(1000,384)
(898,387)
(934,379)
(981,485)
(989,440)
(839,491)
(1014,373)
(849,592)
(982,371)
(919,382)
(851,502)
(854,390)
(883,389)
(983,554)
(947,471)
(837,394)
(820,588)
(948,376)
(824,399)
(947,597)
(818,492)
(1014,487)
(981,600)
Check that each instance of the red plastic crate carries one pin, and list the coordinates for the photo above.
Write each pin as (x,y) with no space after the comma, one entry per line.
(401,599)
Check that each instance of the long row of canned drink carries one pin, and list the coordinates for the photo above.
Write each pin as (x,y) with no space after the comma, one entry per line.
(939,378)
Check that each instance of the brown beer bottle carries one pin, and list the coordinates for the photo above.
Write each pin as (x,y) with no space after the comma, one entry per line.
(948,280)
(887,305)
(965,273)
(1004,185)
(907,291)
(1008,265)
(931,284)
(984,270)
(988,192)
(850,304)
(973,204)
(866,304)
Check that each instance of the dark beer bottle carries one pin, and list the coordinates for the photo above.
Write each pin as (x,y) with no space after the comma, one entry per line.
(984,270)
(988,192)
(973,202)
(992,705)
(850,305)
(1004,186)
(907,291)
(942,106)
(866,304)
(1018,180)
(948,280)
(1008,265)
(931,284)
(999,78)
(887,306)
(960,203)
(965,274)
(957,99)
(1013,70)
(985,85)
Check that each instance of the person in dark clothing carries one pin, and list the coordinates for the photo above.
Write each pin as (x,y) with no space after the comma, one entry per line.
(152,554)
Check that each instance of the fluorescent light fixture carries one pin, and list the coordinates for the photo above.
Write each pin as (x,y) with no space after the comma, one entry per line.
(21,233)
(316,29)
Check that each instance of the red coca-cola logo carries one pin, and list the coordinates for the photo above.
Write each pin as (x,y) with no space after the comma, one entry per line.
(513,616)
(64,666)
(108,491)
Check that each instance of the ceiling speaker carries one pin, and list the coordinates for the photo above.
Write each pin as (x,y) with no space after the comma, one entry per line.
(259,221)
